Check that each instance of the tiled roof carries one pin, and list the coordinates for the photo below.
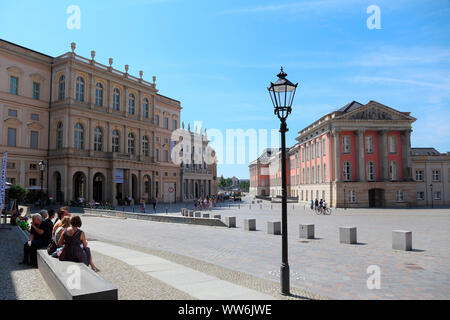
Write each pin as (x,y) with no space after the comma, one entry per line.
(350,107)
(424,152)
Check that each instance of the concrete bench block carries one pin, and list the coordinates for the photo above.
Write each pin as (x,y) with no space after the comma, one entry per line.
(217,216)
(306,231)
(274,227)
(347,235)
(206,215)
(58,275)
(250,224)
(191,213)
(402,240)
(197,214)
(230,222)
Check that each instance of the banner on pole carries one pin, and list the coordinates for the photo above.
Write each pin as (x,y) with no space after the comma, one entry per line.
(3,181)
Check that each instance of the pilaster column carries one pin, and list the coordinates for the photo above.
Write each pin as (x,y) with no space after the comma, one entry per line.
(90,185)
(382,151)
(130,183)
(125,140)
(406,154)
(108,138)
(337,156)
(139,187)
(113,184)
(125,102)
(139,105)
(139,145)
(91,91)
(109,97)
(360,155)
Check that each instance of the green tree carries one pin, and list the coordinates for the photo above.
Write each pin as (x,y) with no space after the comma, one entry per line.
(17,192)
(244,186)
(222,182)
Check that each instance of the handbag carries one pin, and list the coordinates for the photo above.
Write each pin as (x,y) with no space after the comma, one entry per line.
(51,247)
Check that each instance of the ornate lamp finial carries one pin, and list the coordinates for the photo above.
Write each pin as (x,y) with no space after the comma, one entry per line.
(141,73)
(110,60)
(92,54)
(126,68)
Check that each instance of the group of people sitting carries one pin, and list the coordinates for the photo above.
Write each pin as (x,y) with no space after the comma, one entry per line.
(63,238)
(203,203)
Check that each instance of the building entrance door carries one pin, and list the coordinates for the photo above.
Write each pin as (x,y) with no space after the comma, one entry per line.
(376,198)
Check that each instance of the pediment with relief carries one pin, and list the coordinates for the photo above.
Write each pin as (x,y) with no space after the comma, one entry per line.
(373,111)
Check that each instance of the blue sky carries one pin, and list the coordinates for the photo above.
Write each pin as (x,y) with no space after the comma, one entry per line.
(217,57)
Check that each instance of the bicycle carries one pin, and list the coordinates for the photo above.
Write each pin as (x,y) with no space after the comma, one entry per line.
(323,211)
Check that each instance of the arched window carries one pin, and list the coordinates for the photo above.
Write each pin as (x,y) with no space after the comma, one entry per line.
(145,109)
(99,94)
(393,170)
(131,104)
(59,136)
(313,173)
(347,171)
(145,145)
(130,143)
(79,137)
(324,172)
(116,99)
(80,89)
(61,88)
(98,138)
(115,141)
(371,170)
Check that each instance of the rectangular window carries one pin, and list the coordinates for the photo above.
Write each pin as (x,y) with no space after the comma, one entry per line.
(437,195)
(352,196)
(166,155)
(313,151)
(11,180)
(14,85)
(33,166)
(10,165)
(12,113)
(392,144)
(436,175)
(420,195)
(156,119)
(400,195)
(175,125)
(324,147)
(166,123)
(35,117)
(32,182)
(11,137)
(419,175)
(369,144)
(157,154)
(34,139)
(36,90)
(346,144)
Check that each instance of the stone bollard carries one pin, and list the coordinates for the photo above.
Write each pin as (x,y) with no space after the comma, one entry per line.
(250,224)
(217,216)
(273,227)
(347,235)
(402,240)
(197,214)
(230,222)
(306,231)
(206,215)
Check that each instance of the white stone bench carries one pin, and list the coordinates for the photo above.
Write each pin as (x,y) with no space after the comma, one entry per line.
(73,281)
(230,222)
(306,231)
(217,216)
(347,235)
(197,214)
(274,227)
(191,213)
(402,240)
(250,224)
(205,215)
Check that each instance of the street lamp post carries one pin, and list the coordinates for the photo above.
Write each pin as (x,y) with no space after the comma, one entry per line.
(282,94)
(432,203)
(42,166)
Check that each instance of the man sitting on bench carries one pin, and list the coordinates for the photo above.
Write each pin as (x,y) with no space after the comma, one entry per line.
(40,236)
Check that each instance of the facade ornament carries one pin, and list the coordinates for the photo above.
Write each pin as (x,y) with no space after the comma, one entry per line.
(92,54)
(126,68)
(141,73)
(154,80)
(73,46)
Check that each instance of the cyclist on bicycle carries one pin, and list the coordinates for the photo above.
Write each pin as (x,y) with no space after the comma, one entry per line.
(316,205)
(320,204)
(312,204)
(324,206)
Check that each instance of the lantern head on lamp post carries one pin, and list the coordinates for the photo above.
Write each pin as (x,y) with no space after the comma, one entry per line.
(42,166)
(282,94)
